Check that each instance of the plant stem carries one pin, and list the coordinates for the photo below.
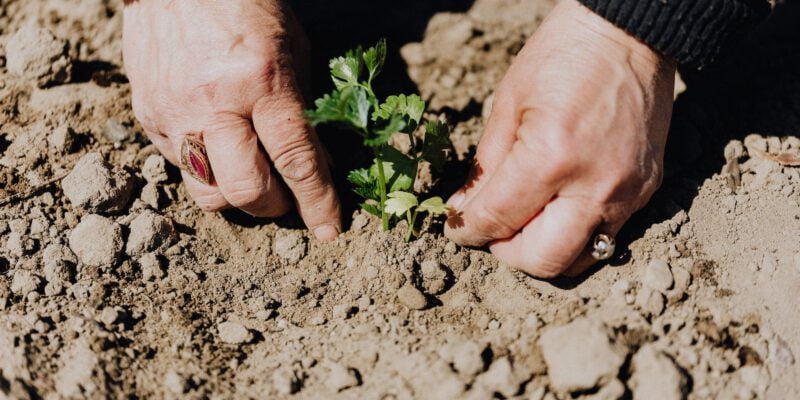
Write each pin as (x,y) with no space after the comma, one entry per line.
(412,220)
(382,190)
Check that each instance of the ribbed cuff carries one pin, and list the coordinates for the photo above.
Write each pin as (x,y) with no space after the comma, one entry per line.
(689,31)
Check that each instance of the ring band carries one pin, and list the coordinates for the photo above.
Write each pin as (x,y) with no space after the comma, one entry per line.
(194,158)
(603,247)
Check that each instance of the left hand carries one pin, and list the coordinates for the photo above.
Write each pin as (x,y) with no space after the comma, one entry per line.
(573,147)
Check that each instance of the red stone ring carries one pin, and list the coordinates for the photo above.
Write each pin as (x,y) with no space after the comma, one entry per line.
(194,158)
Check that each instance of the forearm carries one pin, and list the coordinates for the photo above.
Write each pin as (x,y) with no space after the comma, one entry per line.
(688,31)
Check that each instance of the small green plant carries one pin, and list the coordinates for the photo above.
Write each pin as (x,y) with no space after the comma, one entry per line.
(387,184)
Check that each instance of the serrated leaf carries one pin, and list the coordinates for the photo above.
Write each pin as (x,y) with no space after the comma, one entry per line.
(434,206)
(371,208)
(374,58)
(330,108)
(364,183)
(400,203)
(437,143)
(411,107)
(358,106)
(380,136)
(346,70)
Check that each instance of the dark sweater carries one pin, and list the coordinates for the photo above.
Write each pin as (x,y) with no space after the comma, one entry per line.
(689,31)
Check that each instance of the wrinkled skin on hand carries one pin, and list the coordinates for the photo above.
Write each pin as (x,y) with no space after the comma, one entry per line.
(229,70)
(574,145)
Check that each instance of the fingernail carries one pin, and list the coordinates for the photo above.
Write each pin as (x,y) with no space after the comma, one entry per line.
(456,200)
(326,233)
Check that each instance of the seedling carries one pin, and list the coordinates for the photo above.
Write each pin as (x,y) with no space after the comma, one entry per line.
(387,184)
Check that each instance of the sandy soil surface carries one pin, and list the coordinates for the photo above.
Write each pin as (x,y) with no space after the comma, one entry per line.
(114,285)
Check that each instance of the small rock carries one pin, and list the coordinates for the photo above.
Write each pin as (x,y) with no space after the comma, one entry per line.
(342,378)
(62,139)
(59,263)
(154,169)
(290,245)
(95,187)
(658,276)
(500,378)
(175,383)
(285,381)
(343,311)
(35,54)
(96,240)
(25,282)
(580,355)
(151,266)
(651,301)
(317,320)
(434,277)
(656,377)
(152,195)
(467,357)
(110,316)
(360,221)
(614,390)
(234,333)
(149,231)
(116,132)
(19,245)
(682,281)
(779,351)
(411,297)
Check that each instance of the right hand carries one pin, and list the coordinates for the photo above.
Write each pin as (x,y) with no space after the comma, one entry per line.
(227,69)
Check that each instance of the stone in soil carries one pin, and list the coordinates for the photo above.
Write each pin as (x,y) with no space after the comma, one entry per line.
(411,297)
(19,244)
(285,381)
(467,357)
(342,377)
(290,245)
(655,376)
(434,277)
(149,231)
(94,186)
(650,301)
(25,282)
(74,378)
(500,378)
(96,240)
(234,333)
(116,132)
(36,55)
(658,276)
(580,355)
(152,196)
(151,266)
(154,169)
(62,139)
(59,263)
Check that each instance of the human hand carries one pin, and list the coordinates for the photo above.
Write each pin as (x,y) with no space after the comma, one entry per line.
(574,145)
(228,70)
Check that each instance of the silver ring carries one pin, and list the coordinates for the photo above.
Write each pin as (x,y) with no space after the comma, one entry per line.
(603,248)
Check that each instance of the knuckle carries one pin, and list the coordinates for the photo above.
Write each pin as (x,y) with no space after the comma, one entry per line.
(297,163)
(542,267)
(243,193)
(489,223)
(210,202)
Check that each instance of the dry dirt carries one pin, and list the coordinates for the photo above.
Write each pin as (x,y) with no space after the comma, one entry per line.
(113,285)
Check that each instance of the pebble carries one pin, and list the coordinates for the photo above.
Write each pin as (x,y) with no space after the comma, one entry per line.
(341,378)
(96,240)
(62,139)
(317,320)
(59,263)
(467,357)
(655,376)
(25,282)
(411,297)
(175,383)
(343,311)
(154,169)
(580,355)
(650,301)
(285,381)
(290,245)
(19,245)
(234,333)
(116,132)
(37,55)
(151,266)
(149,231)
(658,276)
(500,378)
(152,195)
(683,279)
(434,277)
(110,316)
(93,185)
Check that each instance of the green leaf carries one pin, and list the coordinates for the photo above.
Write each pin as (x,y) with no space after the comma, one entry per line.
(346,70)
(437,143)
(411,106)
(400,203)
(371,208)
(399,170)
(380,136)
(364,183)
(434,206)
(374,58)
(349,107)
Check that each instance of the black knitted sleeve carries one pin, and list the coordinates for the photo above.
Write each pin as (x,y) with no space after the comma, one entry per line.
(689,31)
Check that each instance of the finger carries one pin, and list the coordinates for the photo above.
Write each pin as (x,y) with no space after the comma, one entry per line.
(298,157)
(520,187)
(207,197)
(585,260)
(497,140)
(552,241)
(241,170)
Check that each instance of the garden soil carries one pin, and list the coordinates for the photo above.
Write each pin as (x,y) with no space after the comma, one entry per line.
(113,284)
